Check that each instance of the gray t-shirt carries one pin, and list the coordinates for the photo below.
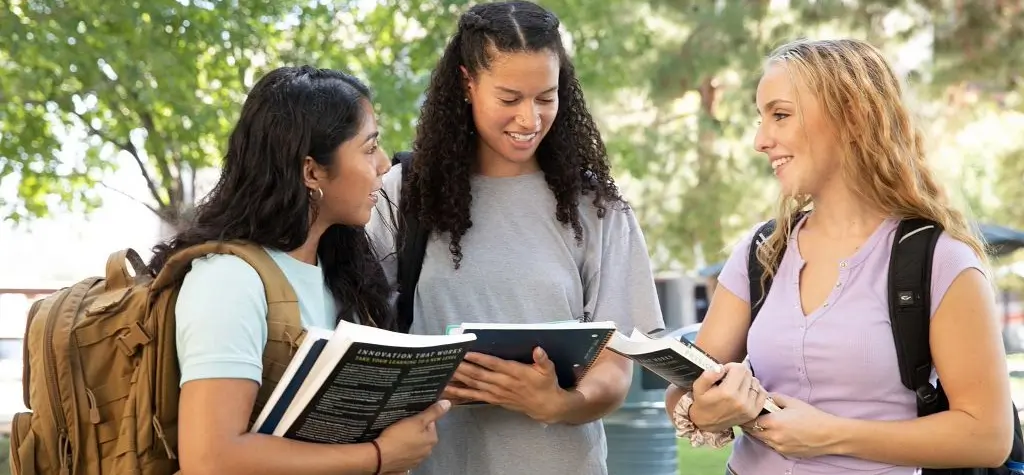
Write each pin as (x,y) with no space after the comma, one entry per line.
(521,265)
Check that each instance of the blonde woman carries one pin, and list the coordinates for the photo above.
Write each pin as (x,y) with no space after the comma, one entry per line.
(842,145)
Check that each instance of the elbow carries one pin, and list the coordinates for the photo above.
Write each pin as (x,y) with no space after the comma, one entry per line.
(208,459)
(999,447)
(994,445)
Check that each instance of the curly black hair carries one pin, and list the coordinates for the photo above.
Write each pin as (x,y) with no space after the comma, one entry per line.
(291,113)
(572,155)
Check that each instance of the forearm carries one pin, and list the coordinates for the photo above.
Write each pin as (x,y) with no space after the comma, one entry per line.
(672,396)
(944,440)
(257,454)
(599,393)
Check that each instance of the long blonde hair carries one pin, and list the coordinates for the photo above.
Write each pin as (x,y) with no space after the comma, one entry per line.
(884,160)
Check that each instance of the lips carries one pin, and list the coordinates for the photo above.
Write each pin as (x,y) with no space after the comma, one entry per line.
(781,161)
(522,142)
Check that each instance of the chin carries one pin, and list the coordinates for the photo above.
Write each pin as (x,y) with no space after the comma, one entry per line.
(519,156)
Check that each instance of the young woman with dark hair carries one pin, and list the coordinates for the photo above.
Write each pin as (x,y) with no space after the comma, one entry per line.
(301,175)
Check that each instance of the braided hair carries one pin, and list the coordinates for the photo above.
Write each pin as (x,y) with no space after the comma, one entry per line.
(571,155)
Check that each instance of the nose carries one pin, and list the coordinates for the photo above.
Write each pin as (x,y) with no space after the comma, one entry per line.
(763,140)
(528,117)
(383,162)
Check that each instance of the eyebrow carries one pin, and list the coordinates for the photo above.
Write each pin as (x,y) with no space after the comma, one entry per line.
(371,136)
(513,91)
(773,103)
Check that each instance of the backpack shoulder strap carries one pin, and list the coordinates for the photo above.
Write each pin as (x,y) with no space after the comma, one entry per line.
(411,244)
(909,291)
(284,323)
(754,267)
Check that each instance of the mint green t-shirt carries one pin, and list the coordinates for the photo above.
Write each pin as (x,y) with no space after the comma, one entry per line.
(221,314)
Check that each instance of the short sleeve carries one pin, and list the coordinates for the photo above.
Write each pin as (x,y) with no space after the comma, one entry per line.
(951,257)
(734,273)
(618,282)
(221,326)
(383,224)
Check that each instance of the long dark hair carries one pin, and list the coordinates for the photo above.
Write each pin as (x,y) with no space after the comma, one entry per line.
(291,113)
(571,155)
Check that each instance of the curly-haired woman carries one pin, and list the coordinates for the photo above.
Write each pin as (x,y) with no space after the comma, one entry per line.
(510,177)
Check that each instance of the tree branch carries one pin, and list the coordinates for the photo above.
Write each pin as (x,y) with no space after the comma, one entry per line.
(129,147)
(126,195)
(161,158)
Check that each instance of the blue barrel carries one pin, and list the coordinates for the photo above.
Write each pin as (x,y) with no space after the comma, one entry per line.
(641,438)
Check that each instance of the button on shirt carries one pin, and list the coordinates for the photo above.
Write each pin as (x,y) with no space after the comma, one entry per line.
(841,357)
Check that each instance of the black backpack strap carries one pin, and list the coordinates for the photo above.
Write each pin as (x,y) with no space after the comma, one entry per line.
(754,267)
(910,276)
(411,243)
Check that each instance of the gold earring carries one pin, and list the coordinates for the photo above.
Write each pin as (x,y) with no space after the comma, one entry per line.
(320,194)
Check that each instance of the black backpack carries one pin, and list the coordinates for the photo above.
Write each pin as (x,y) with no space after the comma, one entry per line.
(910,268)
(411,245)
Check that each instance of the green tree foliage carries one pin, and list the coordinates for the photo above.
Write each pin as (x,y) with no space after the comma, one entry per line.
(158,84)
(704,184)
(157,81)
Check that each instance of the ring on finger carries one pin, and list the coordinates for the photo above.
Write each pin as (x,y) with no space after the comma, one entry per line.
(758,427)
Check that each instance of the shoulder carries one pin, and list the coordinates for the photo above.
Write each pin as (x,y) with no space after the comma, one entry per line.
(739,249)
(949,248)
(220,274)
(220,319)
(219,280)
(384,219)
(611,215)
(734,275)
(950,259)
(392,181)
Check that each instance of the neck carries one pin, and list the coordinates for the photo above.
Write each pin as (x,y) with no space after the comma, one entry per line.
(491,163)
(839,213)
(307,251)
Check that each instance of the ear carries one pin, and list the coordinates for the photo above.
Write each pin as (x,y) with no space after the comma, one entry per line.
(467,82)
(312,174)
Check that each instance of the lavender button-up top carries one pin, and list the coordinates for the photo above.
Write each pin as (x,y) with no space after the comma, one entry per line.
(841,358)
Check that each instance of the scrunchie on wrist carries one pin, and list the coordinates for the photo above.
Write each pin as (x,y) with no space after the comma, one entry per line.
(685,428)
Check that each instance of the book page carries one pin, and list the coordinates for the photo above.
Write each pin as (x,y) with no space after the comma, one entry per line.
(372,387)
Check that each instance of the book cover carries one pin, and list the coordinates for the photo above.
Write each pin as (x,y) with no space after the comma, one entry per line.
(677,361)
(347,387)
(571,346)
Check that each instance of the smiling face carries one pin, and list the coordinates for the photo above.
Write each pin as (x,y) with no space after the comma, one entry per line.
(351,183)
(794,133)
(514,103)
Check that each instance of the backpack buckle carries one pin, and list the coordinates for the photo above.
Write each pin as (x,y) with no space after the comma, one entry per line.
(130,338)
(927,394)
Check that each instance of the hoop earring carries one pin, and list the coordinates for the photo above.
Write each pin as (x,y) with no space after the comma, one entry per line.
(320,194)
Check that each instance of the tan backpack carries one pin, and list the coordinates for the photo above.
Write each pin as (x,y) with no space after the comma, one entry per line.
(101,369)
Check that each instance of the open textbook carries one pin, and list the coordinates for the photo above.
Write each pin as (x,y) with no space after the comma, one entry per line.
(348,385)
(678,361)
(572,346)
